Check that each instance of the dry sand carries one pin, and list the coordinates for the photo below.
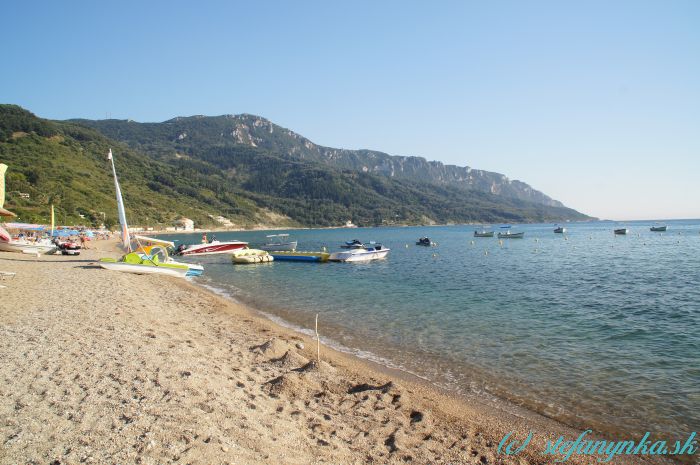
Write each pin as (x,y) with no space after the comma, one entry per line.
(108,367)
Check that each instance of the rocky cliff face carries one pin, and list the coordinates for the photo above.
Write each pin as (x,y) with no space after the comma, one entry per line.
(256,131)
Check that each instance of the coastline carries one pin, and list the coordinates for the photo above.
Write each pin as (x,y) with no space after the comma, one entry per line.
(105,366)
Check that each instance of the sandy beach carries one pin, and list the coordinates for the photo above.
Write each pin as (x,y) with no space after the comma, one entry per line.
(107,367)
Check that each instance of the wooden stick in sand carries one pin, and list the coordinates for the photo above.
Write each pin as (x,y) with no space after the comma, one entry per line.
(318,343)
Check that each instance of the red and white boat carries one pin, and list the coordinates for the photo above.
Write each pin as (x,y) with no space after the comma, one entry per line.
(211,248)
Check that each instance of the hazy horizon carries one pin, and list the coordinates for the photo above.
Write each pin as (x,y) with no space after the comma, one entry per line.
(597,105)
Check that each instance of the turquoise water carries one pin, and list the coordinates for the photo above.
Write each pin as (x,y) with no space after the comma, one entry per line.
(597,330)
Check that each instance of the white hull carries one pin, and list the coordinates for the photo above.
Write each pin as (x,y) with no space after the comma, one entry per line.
(27,247)
(359,255)
(144,269)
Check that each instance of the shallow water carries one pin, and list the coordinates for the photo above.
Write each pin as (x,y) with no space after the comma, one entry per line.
(597,330)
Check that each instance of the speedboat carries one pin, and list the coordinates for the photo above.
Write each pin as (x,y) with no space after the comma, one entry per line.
(621,231)
(658,228)
(483,233)
(510,235)
(425,241)
(247,255)
(42,246)
(279,242)
(560,230)
(211,248)
(353,244)
(139,263)
(365,254)
(289,256)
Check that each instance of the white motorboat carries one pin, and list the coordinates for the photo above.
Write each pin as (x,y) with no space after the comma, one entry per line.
(365,254)
(279,243)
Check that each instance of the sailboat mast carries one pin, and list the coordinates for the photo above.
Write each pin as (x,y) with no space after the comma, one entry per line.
(126,240)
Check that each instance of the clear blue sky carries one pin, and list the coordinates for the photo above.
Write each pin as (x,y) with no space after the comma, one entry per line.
(595,103)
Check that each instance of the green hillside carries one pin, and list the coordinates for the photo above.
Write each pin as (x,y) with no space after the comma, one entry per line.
(64,163)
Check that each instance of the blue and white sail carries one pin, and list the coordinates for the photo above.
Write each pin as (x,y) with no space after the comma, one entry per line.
(126,240)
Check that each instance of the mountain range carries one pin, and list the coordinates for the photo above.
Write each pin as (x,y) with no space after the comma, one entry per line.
(244,168)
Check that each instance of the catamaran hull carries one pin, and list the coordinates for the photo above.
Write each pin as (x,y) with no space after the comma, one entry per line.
(144,269)
(359,255)
(21,247)
(212,249)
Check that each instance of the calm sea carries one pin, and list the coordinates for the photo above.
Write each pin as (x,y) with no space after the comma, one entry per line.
(597,330)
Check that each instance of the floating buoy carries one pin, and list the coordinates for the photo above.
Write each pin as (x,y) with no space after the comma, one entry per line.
(535,250)
(471,242)
(486,252)
(500,242)
(566,238)
(406,245)
(537,239)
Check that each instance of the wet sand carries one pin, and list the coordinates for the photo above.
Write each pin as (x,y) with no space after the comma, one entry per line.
(108,367)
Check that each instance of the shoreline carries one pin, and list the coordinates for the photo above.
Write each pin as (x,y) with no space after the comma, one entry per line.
(62,344)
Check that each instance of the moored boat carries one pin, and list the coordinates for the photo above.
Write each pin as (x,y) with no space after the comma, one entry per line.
(425,242)
(290,256)
(621,231)
(365,254)
(244,256)
(211,248)
(559,230)
(510,235)
(279,242)
(658,228)
(483,233)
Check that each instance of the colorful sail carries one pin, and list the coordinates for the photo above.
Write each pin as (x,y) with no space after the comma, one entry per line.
(126,240)
(53,220)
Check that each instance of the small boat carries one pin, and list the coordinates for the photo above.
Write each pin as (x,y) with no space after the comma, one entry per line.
(365,254)
(279,242)
(143,264)
(289,256)
(621,231)
(658,228)
(158,248)
(483,233)
(425,241)
(211,248)
(559,230)
(510,235)
(353,244)
(245,256)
